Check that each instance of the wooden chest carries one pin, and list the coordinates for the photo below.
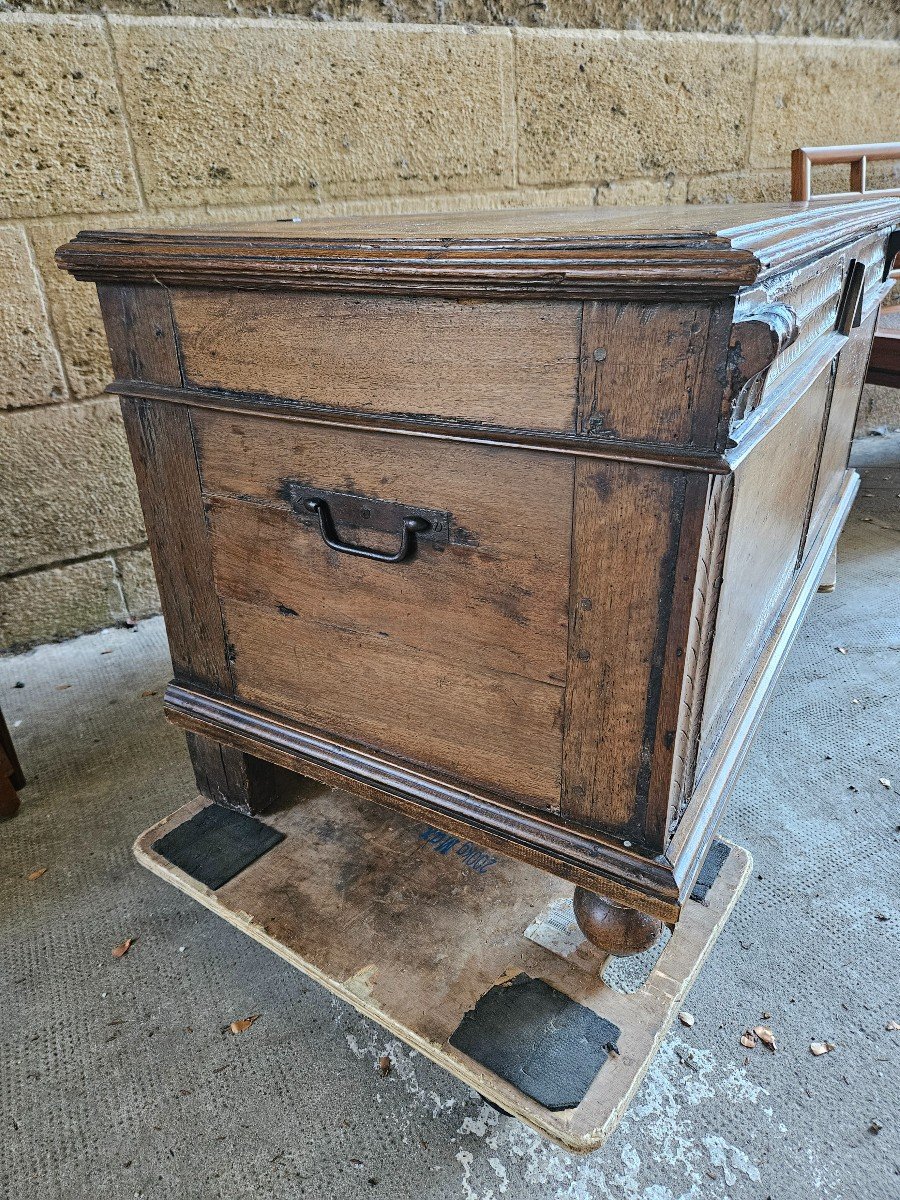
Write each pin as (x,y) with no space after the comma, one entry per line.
(504,519)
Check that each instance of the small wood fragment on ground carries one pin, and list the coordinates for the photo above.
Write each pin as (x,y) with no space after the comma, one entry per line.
(766,1036)
(820,1048)
(244,1023)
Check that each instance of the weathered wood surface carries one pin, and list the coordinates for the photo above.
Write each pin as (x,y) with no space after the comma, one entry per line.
(582,253)
(850,375)
(668,393)
(622,580)
(455,659)
(356,898)
(480,363)
(772,488)
(637,423)
(233,779)
(165,463)
(138,323)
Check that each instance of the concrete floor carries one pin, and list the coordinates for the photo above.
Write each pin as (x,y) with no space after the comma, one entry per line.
(119,1078)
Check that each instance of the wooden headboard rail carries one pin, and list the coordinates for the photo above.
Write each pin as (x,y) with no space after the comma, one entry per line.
(856,157)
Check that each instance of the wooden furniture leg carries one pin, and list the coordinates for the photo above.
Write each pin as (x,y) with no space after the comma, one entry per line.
(231,778)
(828,582)
(613,929)
(9,797)
(11,777)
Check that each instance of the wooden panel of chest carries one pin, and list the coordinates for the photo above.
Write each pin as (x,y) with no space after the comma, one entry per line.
(625,491)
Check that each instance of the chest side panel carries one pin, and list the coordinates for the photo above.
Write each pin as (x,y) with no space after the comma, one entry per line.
(768,516)
(850,374)
(454,659)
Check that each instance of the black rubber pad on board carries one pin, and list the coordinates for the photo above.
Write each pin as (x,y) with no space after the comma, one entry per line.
(709,872)
(217,844)
(537,1039)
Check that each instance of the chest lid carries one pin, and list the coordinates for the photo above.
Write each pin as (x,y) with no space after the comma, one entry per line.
(689,251)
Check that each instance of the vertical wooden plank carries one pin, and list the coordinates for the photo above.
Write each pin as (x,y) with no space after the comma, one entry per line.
(141,333)
(671,392)
(234,779)
(683,669)
(162,449)
(708,585)
(625,537)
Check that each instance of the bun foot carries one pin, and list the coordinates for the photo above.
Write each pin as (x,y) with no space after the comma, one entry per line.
(613,929)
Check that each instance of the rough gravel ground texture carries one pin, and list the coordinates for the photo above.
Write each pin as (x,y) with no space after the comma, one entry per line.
(120,1078)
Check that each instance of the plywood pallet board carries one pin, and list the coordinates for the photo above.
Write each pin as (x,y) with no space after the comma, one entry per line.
(412,927)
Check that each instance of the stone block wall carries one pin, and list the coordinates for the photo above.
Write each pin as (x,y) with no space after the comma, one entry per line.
(123,119)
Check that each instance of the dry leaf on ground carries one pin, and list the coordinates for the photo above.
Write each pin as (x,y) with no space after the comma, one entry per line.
(123,948)
(686,1018)
(818,1048)
(893,1026)
(766,1036)
(244,1024)
(841,649)
(148,693)
(37,874)
(748,1041)
(384,1064)
(885,782)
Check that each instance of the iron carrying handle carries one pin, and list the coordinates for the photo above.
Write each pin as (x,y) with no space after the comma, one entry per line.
(410,527)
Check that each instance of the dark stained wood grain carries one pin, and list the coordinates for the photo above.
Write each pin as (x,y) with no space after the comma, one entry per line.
(516,254)
(549,441)
(508,606)
(669,393)
(514,365)
(628,424)
(165,462)
(491,730)
(138,322)
(625,532)
(232,778)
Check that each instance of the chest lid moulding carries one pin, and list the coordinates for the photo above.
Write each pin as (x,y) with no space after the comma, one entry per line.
(574,392)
